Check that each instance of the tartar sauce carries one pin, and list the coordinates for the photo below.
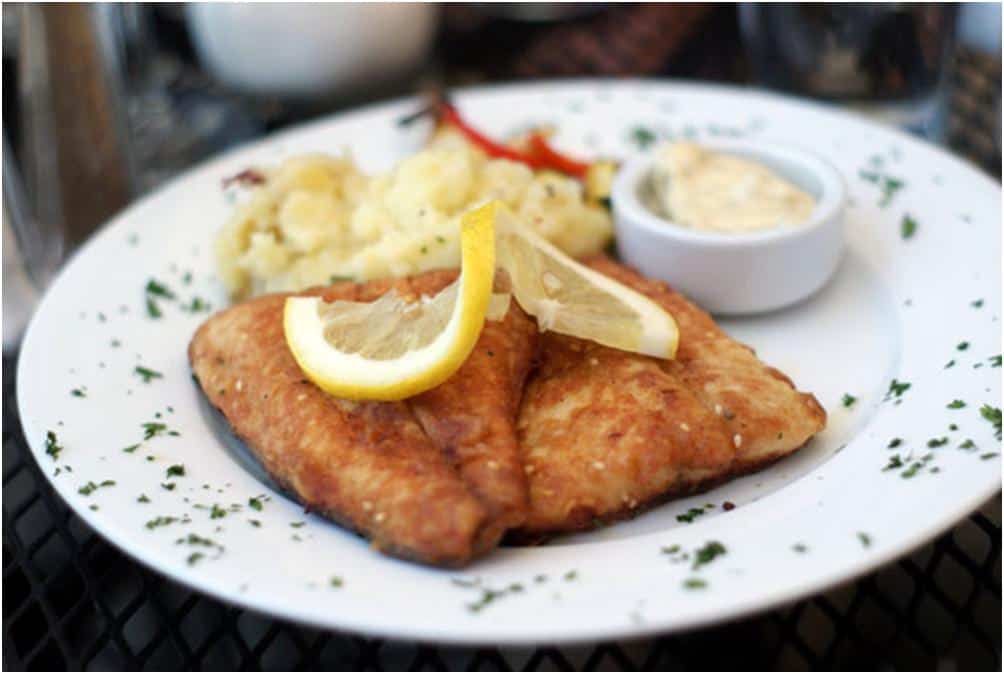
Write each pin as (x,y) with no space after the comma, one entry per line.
(700,189)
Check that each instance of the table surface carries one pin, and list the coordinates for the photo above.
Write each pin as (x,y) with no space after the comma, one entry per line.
(73,601)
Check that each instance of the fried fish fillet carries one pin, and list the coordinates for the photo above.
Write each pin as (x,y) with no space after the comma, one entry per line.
(605,433)
(471,417)
(535,434)
(763,413)
(435,479)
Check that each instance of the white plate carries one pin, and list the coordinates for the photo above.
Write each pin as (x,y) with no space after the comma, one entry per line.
(897,309)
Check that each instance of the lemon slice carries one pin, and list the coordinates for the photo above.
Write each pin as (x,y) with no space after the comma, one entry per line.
(568,297)
(391,349)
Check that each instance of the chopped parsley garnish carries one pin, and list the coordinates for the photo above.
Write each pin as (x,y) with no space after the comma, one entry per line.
(176,470)
(895,442)
(995,361)
(895,462)
(152,429)
(161,521)
(571,575)
(487,597)
(976,304)
(143,498)
(335,278)
(169,486)
(255,523)
(690,515)
(194,557)
(157,289)
(79,392)
(907,227)
(848,400)
(297,525)
(147,374)
(888,185)
(937,442)
(195,539)
(962,346)
(993,415)
(953,427)
(336,581)
(88,489)
(52,446)
(671,549)
(800,548)
(152,310)
(897,389)
(217,512)
(968,444)
(695,584)
(950,363)
(956,404)
(196,305)
(707,554)
(441,239)
(255,503)
(916,466)
(130,449)
(642,137)
(865,539)
(987,456)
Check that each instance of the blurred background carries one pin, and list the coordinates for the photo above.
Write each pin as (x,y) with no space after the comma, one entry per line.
(103,103)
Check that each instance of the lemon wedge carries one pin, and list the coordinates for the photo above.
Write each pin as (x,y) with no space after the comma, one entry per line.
(568,297)
(391,349)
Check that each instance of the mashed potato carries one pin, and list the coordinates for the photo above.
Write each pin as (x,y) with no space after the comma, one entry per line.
(317,218)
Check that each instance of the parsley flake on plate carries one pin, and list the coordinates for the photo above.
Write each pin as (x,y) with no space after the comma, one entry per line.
(907,227)
(146,374)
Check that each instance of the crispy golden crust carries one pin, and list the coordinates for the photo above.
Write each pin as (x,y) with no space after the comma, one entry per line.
(606,434)
(435,478)
(766,417)
(471,418)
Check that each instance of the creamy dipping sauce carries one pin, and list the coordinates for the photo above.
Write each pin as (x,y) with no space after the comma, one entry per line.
(704,190)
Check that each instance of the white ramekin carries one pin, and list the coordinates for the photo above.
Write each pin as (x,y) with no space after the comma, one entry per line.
(736,273)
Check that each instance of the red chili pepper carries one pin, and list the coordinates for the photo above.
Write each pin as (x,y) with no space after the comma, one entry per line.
(541,155)
(490,147)
(554,159)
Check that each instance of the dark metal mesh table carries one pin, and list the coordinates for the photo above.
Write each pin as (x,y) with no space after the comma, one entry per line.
(72,601)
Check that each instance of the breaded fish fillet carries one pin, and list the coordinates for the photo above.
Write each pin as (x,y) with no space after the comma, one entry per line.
(763,413)
(471,418)
(425,493)
(605,433)
(534,435)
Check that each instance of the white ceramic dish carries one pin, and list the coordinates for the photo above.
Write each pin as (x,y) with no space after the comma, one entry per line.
(737,273)
(896,308)
(310,51)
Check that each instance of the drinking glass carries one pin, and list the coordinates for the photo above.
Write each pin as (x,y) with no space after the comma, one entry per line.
(890,61)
